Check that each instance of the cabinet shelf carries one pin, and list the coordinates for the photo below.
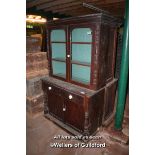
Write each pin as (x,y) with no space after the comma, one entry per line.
(81,42)
(60,75)
(58,42)
(59,59)
(81,63)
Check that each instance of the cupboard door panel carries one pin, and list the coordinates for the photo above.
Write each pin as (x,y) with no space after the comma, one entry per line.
(58,35)
(58,50)
(59,69)
(74,115)
(82,35)
(81,74)
(55,104)
(81,52)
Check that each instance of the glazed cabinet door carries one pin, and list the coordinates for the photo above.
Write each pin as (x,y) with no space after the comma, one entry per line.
(58,49)
(74,114)
(81,42)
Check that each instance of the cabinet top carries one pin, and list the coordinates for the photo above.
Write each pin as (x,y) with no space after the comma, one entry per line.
(91,18)
(70,87)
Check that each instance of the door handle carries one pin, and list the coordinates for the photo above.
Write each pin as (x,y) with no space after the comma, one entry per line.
(70,97)
(49,88)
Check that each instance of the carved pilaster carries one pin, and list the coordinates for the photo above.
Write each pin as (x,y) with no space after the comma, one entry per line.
(48,48)
(46,110)
(86,124)
(96,53)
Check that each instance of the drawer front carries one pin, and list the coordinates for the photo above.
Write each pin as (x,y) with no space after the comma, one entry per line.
(62,92)
(51,88)
(73,97)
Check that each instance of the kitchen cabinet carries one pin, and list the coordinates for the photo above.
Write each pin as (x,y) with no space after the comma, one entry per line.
(80,90)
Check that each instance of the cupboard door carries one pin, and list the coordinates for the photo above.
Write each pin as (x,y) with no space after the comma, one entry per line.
(58,52)
(81,54)
(74,114)
(55,103)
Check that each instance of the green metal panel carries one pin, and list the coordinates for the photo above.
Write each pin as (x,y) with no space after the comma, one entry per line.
(122,85)
(81,73)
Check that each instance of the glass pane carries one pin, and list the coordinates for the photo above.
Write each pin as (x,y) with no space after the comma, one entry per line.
(81,73)
(81,52)
(59,68)
(59,50)
(82,35)
(58,35)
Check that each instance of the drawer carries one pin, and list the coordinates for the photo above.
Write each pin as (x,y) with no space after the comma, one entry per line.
(51,88)
(73,97)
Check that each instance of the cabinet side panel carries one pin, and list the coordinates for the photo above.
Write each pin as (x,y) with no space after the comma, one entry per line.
(110,93)
(110,56)
(95,109)
(104,37)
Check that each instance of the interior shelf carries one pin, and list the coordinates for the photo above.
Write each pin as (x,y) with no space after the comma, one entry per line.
(81,63)
(59,59)
(60,75)
(58,42)
(81,42)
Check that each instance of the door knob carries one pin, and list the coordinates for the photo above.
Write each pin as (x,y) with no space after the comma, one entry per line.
(82,92)
(70,97)
(49,88)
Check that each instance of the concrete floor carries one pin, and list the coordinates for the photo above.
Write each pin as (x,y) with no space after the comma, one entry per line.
(41,132)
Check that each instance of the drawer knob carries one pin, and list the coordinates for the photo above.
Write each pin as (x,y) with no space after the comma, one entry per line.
(64,109)
(49,88)
(82,92)
(70,97)
(68,56)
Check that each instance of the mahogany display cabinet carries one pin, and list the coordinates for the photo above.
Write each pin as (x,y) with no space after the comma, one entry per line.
(80,91)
